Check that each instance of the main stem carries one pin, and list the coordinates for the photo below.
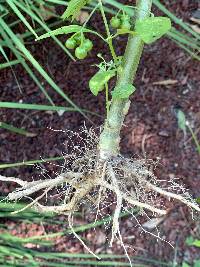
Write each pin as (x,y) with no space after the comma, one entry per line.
(110,136)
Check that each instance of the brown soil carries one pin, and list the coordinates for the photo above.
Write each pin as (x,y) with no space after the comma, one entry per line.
(150,130)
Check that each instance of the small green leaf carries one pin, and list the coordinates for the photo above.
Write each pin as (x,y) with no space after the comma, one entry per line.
(61,30)
(97,82)
(181,120)
(197,263)
(196,243)
(67,30)
(198,200)
(151,29)
(73,8)
(123,91)
(190,241)
(184,264)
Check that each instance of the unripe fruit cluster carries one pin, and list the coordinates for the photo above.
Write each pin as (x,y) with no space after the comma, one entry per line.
(81,45)
(121,23)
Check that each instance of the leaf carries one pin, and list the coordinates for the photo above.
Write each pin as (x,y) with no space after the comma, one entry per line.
(181,120)
(198,200)
(97,82)
(196,243)
(190,241)
(67,30)
(74,6)
(151,29)
(184,264)
(197,263)
(61,30)
(123,91)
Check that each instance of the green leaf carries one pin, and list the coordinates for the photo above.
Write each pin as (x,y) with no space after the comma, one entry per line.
(151,29)
(123,91)
(61,30)
(67,30)
(197,263)
(190,241)
(196,243)
(181,120)
(184,264)
(97,82)
(198,200)
(74,7)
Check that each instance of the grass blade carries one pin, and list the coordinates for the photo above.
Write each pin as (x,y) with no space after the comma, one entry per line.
(34,107)
(13,129)
(44,26)
(37,66)
(22,61)
(21,17)
(29,162)
(42,107)
(9,64)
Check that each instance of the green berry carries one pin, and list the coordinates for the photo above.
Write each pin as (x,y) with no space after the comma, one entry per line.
(87,44)
(80,52)
(78,38)
(125,25)
(115,22)
(125,18)
(70,43)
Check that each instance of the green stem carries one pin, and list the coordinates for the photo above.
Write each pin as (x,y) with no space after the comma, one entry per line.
(108,32)
(194,138)
(110,136)
(107,98)
(91,14)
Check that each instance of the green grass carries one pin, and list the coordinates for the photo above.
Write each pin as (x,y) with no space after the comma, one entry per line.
(28,163)
(29,13)
(13,250)
(13,129)
(14,105)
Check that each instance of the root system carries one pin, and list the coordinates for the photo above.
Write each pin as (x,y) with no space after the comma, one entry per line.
(85,178)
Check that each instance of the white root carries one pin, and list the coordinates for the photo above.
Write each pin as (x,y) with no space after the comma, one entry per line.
(70,220)
(33,202)
(115,223)
(125,250)
(130,180)
(13,179)
(100,191)
(135,202)
(32,187)
(173,196)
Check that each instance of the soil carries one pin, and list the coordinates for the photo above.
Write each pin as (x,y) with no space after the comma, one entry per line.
(150,130)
